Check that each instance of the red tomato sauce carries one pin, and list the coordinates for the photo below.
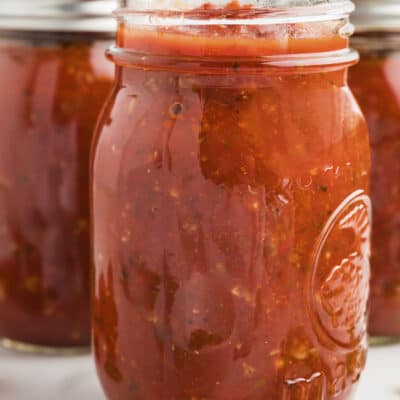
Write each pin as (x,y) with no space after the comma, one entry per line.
(53,87)
(376,84)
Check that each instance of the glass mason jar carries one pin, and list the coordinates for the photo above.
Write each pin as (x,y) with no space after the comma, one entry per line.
(376,84)
(230,179)
(54,78)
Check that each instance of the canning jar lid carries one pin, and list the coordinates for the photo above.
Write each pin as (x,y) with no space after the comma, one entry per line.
(58,15)
(377,15)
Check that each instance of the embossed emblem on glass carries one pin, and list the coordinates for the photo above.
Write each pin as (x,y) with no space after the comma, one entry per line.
(341,275)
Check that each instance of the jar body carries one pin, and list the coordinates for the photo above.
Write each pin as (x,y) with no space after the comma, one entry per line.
(53,87)
(376,86)
(231,235)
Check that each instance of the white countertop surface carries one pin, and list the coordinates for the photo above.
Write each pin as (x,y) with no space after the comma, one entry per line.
(29,377)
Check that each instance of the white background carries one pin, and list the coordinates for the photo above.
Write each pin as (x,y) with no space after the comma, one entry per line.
(28,377)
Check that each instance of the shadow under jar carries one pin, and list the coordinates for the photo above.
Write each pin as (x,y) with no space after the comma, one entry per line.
(376,85)
(54,79)
(230,180)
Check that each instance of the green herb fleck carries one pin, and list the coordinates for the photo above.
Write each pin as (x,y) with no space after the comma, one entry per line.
(23,179)
(175,110)
(124,275)
(323,188)
(112,371)
(260,383)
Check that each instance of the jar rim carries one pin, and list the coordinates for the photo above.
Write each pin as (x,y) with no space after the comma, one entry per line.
(329,60)
(314,11)
(58,15)
(318,33)
(185,5)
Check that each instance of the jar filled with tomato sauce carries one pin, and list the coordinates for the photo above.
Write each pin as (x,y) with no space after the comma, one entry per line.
(230,202)
(54,79)
(376,85)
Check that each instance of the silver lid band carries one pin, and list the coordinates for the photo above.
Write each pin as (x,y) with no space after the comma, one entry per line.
(58,15)
(377,16)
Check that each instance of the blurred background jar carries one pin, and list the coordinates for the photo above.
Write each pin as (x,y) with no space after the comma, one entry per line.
(230,205)
(54,79)
(375,82)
